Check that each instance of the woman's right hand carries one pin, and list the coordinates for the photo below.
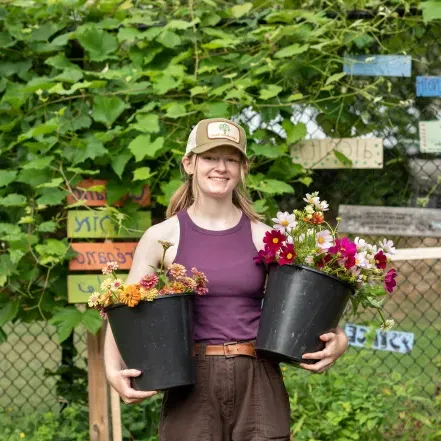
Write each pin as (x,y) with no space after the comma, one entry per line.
(120,381)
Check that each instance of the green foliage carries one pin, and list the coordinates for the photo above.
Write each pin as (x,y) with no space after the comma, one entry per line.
(111,89)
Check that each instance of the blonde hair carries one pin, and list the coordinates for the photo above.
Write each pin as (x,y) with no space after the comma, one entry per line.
(184,196)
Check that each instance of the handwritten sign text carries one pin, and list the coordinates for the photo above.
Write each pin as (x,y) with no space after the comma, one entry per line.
(430,136)
(96,224)
(428,86)
(93,256)
(80,287)
(378,65)
(318,153)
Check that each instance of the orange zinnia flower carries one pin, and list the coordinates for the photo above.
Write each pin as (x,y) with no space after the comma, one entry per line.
(317,218)
(130,295)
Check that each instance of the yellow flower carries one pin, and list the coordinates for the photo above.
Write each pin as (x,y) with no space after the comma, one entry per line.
(148,294)
(177,287)
(22,435)
(130,295)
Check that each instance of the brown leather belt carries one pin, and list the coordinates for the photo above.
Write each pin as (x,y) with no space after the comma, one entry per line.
(230,349)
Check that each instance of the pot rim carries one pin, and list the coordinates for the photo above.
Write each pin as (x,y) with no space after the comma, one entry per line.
(314,270)
(166,296)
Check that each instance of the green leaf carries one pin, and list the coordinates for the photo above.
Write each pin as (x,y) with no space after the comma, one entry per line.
(342,158)
(163,83)
(94,149)
(70,75)
(260,206)
(107,109)
(47,227)
(266,150)
(3,336)
(6,177)
(15,256)
(142,174)
(180,24)
(142,146)
(119,163)
(198,90)
(98,43)
(270,186)
(335,77)
(294,132)
(270,91)
(65,321)
(9,311)
(282,168)
(92,320)
(431,10)
(240,10)
(52,197)
(289,51)
(13,200)
(169,39)
(147,123)
(39,163)
(176,110)
(168,189)
(55,182)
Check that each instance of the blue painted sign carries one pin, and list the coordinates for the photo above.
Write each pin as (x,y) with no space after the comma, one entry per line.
(378,65)
(428,86)
(394,341)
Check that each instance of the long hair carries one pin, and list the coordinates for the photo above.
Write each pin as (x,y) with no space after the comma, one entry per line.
(186,195)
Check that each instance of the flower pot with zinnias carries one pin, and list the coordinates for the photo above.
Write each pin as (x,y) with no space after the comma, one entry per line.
(152,322)
(313,274)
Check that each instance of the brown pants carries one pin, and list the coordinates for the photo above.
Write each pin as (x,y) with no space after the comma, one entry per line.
(234,399)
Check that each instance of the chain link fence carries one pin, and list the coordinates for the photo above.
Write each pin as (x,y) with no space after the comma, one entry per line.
(37,373)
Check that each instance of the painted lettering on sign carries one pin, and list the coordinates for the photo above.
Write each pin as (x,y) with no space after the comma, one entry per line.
(430,136)
(97,199)
(319,153)
(378,65)
(97,224)
(428,86)
(93,256)
(390,221)
(80,287)
(394,341)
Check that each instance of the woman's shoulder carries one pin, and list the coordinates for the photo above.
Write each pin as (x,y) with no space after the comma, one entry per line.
(166,230)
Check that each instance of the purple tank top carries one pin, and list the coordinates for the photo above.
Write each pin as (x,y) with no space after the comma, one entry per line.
(231,309)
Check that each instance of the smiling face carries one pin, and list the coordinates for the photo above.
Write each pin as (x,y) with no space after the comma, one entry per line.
(217,171)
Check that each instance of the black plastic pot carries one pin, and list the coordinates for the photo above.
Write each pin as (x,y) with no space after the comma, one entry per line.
(300,304)
(157,338)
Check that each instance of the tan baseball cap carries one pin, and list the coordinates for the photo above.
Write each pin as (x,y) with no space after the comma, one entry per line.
(216,132)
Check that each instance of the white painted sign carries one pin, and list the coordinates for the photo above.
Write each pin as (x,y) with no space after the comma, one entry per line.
(430,136)
(390,221)
(393,341)
(319,153)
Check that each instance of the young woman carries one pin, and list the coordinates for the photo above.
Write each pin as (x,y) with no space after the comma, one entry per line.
(211,222)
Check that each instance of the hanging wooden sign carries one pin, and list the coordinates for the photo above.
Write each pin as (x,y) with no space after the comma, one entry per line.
(428,86)
(390,221)
(97,224)
(319,153)
(98,199)
(378,65)
(80,287)
(93,256)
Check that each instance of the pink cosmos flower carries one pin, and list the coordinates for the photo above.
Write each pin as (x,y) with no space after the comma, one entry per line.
(287,254)
(274,239)
(380,260)
(267,255)
(323,240)
(389,280)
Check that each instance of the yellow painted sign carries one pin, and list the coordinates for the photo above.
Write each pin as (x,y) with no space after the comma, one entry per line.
(97,224)
(80,287)
(319,153)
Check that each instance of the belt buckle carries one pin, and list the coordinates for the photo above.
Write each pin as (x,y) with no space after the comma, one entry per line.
(229,343)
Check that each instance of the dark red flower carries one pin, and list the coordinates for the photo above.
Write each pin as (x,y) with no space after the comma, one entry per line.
(389,280)
(349,261)
(380,260)
(267,255)
(287,254)
(274,239)
(323,261)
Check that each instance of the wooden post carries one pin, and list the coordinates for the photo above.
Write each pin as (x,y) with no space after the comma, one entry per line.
(115,405)
(98,401)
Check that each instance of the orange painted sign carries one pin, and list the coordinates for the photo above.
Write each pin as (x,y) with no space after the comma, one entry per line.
(98,199)
(93,256)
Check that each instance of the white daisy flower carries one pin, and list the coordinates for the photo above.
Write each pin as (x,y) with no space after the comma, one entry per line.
(284,222)
(387,246)
(309,209)
(361,260)
(324,240)
(312,198)
(361,243)
(388,325)
(323,206)
(116,284)
(107,284)
(289,239)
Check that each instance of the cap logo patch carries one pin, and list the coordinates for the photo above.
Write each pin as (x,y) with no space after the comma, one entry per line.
(223,130)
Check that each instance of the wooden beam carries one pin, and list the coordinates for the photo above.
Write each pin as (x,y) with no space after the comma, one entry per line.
(115,405)
(98,401)
(417,254)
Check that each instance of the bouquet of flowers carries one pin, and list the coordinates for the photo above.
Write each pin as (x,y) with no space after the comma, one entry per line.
(151,286)
(305,238)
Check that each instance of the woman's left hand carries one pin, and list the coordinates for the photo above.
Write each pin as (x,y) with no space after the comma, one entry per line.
(336,345)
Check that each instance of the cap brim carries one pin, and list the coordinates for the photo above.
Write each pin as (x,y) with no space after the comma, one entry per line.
(211,145)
